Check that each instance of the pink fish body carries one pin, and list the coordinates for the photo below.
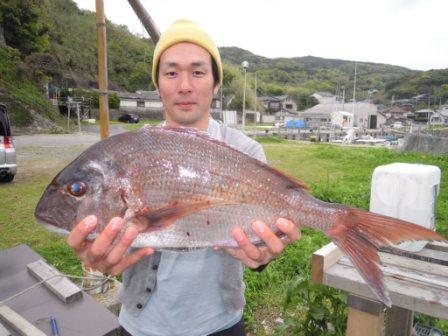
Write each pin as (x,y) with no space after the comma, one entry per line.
(183,190)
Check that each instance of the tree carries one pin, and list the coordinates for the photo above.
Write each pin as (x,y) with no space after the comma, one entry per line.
(140,77)
(24,24)
(444,92)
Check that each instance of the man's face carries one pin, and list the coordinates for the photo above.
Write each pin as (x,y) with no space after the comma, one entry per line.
(186,85)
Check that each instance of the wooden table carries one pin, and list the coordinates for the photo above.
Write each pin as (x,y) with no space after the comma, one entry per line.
(82,317)
(415,285)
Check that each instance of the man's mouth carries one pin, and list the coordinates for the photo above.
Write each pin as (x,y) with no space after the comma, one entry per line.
(185,105)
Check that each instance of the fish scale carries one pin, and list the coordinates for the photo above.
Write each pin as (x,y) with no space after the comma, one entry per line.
(184,190)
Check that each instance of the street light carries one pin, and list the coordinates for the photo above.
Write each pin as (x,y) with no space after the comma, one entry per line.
(245,65)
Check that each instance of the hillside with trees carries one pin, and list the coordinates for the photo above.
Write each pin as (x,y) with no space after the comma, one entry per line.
(53,42)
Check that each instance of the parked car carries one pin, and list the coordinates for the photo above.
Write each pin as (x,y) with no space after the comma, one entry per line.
(129,118)
(8,163)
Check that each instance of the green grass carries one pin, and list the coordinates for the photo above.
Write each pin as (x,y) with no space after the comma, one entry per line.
(335,174)
(284,288)
(19,198)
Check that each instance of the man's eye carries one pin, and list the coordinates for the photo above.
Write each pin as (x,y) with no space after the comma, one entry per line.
(198,73)
(171,74)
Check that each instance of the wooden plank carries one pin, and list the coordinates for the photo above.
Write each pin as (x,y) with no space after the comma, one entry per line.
(434,256)
(414,264)
(18,323)
(362,323)
(4,331)
(439,246)
(62,287)
(421,299)
(410,275)
(322,259)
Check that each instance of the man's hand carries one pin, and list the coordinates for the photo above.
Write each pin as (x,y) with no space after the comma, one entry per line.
(100,254)
(253,256)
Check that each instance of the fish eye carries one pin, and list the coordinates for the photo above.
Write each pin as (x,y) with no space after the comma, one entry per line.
(77,188)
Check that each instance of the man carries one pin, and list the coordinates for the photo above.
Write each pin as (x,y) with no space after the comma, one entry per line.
(193,293)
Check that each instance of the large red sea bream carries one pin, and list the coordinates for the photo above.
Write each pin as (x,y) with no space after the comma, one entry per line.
(182,189)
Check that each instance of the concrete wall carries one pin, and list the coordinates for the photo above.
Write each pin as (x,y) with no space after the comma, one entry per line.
(425,144)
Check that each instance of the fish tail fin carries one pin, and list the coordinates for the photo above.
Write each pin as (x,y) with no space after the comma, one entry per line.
(360,233)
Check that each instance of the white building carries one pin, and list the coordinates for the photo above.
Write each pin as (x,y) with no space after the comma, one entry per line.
(365,115)
(440,117)
(139,101)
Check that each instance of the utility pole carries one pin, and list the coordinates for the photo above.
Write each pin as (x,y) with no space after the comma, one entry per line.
(354,93)
(102,69)
(245,65)
(255,97)
(146,20)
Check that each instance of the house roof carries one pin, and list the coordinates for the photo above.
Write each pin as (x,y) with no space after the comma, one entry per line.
(144,95)
(395,109)
(273,98)
(425,111)
(347,107)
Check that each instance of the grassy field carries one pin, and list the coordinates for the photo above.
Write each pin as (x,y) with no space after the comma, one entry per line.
(283,290)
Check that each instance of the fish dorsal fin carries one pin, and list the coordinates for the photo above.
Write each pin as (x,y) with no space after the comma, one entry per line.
(291,182)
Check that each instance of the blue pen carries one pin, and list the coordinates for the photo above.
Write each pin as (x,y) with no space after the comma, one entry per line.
(54,327)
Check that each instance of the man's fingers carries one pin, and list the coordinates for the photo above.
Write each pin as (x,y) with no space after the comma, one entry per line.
(288,228)
(119,250)
(239,254)
(244,243)
(77,237)
(102,244)
(130,260)
(273,243)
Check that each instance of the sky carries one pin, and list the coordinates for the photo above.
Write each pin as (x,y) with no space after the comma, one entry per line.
(409,33)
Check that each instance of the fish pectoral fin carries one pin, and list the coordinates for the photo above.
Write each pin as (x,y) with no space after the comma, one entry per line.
(157,219)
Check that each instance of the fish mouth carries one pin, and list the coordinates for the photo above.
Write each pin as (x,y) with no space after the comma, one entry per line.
(51,226)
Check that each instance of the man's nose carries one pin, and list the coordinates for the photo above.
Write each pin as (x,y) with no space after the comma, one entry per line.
(185,83)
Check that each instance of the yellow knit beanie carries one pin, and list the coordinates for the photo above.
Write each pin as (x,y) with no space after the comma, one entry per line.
(185,30)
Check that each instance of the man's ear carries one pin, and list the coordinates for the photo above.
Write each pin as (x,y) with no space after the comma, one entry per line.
(216,88)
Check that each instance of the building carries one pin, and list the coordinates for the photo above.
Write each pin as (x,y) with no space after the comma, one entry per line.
(146,104)
(315,119)
(273,104)
(404,103)
(365,115)
(423,115)
(440,117)
(282,115)
(397,113)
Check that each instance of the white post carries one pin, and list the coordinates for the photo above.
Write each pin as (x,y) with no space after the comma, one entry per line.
(79,118)
(354,94)
(243,122)
(68,115)
(245,65)
(255,97)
